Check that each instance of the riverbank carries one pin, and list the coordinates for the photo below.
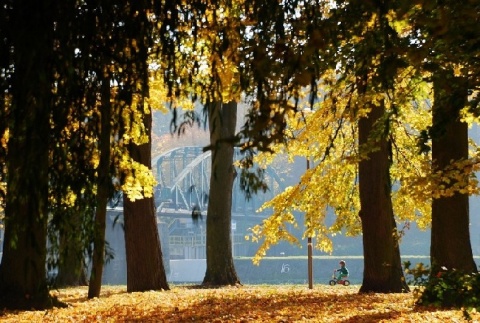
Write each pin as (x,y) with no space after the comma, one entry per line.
(279,270)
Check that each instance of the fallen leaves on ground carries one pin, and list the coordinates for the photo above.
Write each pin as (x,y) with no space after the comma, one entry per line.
(285,303)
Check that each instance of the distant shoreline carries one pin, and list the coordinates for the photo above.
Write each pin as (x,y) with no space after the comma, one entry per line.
(339,256)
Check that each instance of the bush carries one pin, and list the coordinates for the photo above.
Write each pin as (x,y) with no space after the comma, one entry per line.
(419,274)
(449,288)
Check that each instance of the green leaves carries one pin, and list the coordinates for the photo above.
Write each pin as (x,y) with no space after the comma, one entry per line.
(447,288)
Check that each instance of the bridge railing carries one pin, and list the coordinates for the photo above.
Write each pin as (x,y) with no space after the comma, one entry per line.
(186,241)
(199,240)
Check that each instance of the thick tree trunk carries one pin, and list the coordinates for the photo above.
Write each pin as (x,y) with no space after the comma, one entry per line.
(220,267)
(450,239)
(145,269)
(382,264)
(104,187)
(23,282)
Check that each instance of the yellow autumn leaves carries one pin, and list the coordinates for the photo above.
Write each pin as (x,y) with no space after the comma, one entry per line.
(328,138)
(284,303)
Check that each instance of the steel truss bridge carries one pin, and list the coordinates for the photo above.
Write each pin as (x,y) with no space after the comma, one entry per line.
(183,177)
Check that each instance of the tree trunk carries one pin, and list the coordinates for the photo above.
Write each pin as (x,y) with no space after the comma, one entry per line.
(450,239)
(220,267)
(104,187)
(23,282)
(382,264)
(145,269)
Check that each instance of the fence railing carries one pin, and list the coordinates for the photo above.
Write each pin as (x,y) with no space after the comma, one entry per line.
(198,240)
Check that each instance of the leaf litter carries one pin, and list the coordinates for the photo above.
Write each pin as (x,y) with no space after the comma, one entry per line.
(250,303)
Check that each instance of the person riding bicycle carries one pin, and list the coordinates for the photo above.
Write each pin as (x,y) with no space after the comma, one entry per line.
(343,271)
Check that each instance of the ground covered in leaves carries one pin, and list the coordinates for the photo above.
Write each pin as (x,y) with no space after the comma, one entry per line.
(285,303)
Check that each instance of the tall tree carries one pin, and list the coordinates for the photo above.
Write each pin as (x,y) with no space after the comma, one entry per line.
(382,265)
(6,70)
(222,119)
(210,49)
(446,47)
(104,189)
(377,62)
(145,268)
(450,237)
(22,272)
(124,35)
(56,64)
(359,80)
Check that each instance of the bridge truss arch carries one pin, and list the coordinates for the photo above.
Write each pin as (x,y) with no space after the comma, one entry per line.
(183,176)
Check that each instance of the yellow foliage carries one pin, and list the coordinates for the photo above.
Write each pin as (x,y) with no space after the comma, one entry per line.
(138,179)
(468,117)
(95,158)
(263,303)
(158,94)
(327,184)
(133,119)
(210,59)
(328,138)
(4,139)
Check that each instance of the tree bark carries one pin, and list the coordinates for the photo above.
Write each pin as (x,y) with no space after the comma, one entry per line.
(220,266)
(145,268)
(382,264)
(104,187)
(450,238)
(23,282)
